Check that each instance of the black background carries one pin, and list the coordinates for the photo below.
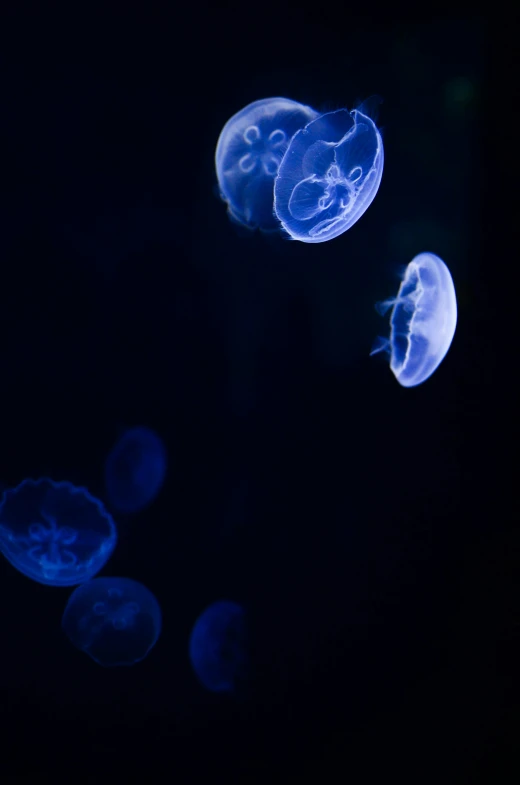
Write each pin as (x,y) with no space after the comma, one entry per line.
(357,521)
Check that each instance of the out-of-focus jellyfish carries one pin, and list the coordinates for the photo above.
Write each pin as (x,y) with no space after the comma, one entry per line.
(135,470)
(116,621)
(217,649)
(249,150)
(422,322)
(54,532)
(329,176)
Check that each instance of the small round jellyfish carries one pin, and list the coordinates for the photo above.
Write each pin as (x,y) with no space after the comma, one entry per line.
(54,532)
(329,176)
(249,150)
(422,322)
(217,647)
(135,470)
(116,621)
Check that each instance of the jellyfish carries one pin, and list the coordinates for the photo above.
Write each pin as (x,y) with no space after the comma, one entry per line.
(217,647)
(329,175)
(116,621)
(54,532)
(249,150)
(135,470)
(422,322)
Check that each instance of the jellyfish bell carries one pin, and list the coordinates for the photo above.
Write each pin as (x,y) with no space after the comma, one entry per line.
(329,176)
(54,532)
(249,150)
(422,322)
(135,469)
(218,648)
(116,621)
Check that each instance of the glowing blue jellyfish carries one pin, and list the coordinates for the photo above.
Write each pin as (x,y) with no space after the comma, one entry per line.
(54,532)
(329,176)
(135,470)
(217,648)
(116,621)
(249,150)
(423,320)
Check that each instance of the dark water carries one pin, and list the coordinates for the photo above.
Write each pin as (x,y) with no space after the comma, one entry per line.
(352,518)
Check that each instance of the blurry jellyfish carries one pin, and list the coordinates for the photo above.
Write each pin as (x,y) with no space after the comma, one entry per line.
(218,647)
(116,621)
(423,320)
(329,176)
(135,470)
(249,150)
(55,533)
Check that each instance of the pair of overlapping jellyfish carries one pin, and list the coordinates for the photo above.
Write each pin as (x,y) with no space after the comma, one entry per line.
(283,165)
(61,535)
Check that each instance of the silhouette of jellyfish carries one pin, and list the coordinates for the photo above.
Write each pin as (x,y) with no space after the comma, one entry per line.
(249,150)
(55,533)
(116,621)
(217,647)
(135,470)
(329,176)
(423,320)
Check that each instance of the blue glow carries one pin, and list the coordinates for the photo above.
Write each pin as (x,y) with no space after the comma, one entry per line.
(249,150)
(55,533)
(135,470)
(329,176)
(422,322)
(116,621)
(218,647)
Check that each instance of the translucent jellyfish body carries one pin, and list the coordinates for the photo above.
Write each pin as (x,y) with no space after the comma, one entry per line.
(422,321)
(116,621)
(249,150)
(329,176)
(135,470)
(218,647)
(55,533)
